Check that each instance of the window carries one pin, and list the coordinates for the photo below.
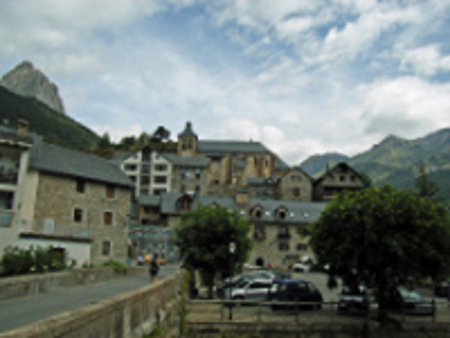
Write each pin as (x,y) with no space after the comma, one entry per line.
(78,215)
(106,248)
(283,246)
(161,167)
(342,178)
(198,174)
(301,247)
(283,230)
(160,179)
(110,191)
(296,192)
(281,213)
(130,167)
(81,186)
(108,218)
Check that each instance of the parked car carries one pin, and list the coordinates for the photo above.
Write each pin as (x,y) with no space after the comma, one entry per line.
(224,288)
(301,267)
(255,290)
(353,300)
(294,290)
(409,302)
(441,288)
(269,274)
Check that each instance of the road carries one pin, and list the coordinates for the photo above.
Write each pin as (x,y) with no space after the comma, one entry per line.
(18,312)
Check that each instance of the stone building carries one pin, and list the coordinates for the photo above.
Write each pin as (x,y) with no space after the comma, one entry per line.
(75,202)
(277,225)
(333,181)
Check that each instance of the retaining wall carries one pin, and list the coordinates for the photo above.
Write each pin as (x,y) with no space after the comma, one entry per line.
(18,286)
(128,315)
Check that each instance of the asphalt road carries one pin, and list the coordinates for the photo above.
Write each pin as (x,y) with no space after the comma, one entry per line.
(18,312)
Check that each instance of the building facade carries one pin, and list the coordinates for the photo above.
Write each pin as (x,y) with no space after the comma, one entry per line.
(75,202)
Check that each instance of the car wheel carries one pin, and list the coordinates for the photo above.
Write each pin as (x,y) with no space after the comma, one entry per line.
(238,298)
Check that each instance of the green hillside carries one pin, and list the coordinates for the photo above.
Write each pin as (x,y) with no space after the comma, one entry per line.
(396,161)
(54,127)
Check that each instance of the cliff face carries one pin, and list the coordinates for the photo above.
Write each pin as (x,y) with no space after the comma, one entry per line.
(25,80)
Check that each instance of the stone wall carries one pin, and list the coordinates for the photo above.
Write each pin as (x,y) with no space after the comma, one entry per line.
(57,198)
(19,286)
(132,314)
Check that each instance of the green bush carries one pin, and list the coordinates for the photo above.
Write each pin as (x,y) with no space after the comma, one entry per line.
(118,267)
(17,261)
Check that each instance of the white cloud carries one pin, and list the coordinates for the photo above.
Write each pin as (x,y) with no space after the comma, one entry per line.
(425,60)
(407,106)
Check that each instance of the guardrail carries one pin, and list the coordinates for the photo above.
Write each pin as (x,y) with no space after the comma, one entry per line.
(227,310)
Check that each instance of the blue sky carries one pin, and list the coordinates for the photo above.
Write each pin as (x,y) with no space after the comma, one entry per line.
(302,77)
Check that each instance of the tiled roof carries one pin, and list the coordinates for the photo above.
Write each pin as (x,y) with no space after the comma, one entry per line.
(62,161)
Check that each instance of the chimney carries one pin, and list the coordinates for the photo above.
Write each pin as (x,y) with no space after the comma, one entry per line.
(22,128)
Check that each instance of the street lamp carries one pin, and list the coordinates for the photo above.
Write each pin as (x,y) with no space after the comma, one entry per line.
(232,249)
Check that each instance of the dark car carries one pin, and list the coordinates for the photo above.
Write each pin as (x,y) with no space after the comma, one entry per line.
(409,301)
(441,289)
(294,290)
(353,300)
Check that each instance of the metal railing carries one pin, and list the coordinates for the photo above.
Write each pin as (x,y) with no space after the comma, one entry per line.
(305,312)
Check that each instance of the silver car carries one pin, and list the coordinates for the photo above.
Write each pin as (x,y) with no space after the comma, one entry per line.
(254,290)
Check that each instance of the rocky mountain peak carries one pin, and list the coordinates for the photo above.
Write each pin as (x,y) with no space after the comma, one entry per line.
(28,81)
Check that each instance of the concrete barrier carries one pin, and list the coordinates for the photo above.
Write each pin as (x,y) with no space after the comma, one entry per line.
(128,315)
(18,286)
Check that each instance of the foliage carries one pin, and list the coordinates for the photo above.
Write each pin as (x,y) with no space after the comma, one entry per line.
(54,127)
(17,261)
(426,188)
(380,237)
(204,237)
(161,134)
(118,267)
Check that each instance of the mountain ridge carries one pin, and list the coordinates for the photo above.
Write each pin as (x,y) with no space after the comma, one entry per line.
(28,81)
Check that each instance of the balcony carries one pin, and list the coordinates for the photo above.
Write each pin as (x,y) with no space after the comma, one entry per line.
(284,235)
(8,177)
(6,218)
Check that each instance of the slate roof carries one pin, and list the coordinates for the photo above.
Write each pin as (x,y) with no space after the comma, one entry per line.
(188,131)
(261,181)
(153,200)
(191,161)
(297,212)
(61,161)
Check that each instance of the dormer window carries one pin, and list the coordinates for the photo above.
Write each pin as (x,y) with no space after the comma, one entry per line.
(281,213)
(257,213)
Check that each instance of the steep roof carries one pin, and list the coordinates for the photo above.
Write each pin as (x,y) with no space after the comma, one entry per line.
(61,161)
(191,161)
(188,131)
(297,212)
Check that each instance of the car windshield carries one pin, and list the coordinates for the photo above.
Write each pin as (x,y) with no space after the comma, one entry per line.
(409,294)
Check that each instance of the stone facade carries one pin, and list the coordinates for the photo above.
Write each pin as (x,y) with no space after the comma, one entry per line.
(335,180)
(295,185)
(71,207)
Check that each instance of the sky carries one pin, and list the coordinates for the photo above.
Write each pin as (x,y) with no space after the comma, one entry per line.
(303,77)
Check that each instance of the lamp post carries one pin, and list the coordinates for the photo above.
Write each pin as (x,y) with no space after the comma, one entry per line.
(232,249)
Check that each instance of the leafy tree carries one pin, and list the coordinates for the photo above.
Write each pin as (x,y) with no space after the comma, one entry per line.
(127,142)
(426,188)
(161,134)
(380,236)
(204,238)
